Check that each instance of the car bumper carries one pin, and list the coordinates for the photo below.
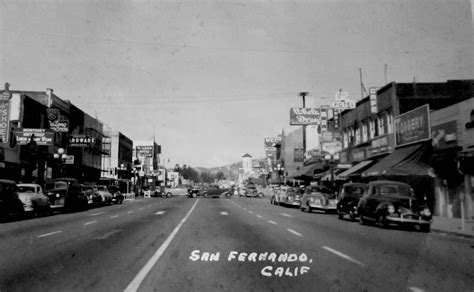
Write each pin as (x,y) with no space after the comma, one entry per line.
(408,219)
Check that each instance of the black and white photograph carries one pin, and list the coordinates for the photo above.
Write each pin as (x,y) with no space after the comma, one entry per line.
(247,145)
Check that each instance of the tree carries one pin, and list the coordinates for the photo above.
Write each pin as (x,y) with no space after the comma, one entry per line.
(220,175)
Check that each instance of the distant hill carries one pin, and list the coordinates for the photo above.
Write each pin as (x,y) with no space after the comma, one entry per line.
(231,171)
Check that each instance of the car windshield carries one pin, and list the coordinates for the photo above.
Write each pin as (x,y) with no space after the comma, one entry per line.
(25,189)
(354,191)
(54,185)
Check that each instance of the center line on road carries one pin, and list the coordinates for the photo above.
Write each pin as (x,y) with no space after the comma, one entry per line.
(91,222)
(115,216)
(48,234)
(160,213)
(250,212)
(142,208)
(224,213)
(136,282)
(95,214)
(129,212)
(272,222)
(294,232)
(286,215)
(344,256)
(258,216)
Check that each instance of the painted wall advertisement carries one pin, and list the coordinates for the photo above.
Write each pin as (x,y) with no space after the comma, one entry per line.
(413,126)
(305,116)
(81,141)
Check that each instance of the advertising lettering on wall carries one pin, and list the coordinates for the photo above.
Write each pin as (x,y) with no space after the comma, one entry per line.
(81,141)
(40,136)
(59,126)
(381,145)
(444,135)
(144,151)
(305,116)
(413,126)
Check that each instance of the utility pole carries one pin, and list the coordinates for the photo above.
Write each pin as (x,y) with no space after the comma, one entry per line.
(303,95)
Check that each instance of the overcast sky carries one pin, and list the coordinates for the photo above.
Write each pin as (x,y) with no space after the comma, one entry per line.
(211,79)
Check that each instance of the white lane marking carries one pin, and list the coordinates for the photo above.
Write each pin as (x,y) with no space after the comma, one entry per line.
(258,216)
(115,216)
(48,234)
(91,222)
(294,232)
(286,215)
(129,212)
(415,289)
(160,213)
(245,209)
(142,208)
(250,212)
(224,213)
(95,214)
(136,282)
(344,256)
(272,222)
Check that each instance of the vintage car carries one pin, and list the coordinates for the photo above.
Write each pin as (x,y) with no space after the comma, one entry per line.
(65,194)
(279,194)
(160,191)
(117,197)
(251,190)
(215,191)
(293,197)
(195,191)
(94,199)
(349,199)
(318,198)
(33,199)
(387,202)
(104,194)
(10,203)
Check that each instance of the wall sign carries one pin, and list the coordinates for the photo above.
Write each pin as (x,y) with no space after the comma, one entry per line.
(81,141)
(305,116)
(413,126)
(40,136)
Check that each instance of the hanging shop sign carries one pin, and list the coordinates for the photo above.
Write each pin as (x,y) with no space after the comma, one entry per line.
(40,136)
(305,116)
(52,114)
(332,147)
(272,142)
(4,120)
(59,126)
(81,141)
(413,126)
(373,100)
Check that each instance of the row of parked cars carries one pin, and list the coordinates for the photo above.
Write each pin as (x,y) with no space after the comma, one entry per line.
(65,194)
(381,202)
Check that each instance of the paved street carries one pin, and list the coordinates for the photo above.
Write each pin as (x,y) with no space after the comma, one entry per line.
(237,244)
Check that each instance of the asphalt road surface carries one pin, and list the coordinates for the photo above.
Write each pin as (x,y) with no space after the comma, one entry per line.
(236,244)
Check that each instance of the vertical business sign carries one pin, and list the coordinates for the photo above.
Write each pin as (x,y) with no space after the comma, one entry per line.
(4,120)
(373,100)
(413,126)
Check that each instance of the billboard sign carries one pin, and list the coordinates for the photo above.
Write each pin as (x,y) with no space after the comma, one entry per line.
(40,136)
(331,147)
(59,126)
(445,135)
(272,142)
(144,151)
(305,116)
(4,120)
(413,126)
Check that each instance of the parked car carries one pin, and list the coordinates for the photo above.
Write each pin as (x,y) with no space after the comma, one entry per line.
(386,202)
(279,195)
(104,194)
(293,197)
(196,191)
(10,203)
(252,190)
(33,199)
(65,194)
(216,191)
(160,191)
(349,199)
(90,192)
(318,198)
(117,197)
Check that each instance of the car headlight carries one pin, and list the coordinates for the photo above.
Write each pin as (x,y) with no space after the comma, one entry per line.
(57,195)
(391,209)
(426,212)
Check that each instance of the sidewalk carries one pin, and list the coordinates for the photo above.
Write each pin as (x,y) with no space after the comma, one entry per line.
(452,226)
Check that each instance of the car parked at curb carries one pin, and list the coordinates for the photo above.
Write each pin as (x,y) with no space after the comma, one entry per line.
(391,202)
(252,190)
(93,197)
(34,200)
(117,197)
(279,195)
(349,199)
(10,203)
(104,194)
(318,198)
(65,194)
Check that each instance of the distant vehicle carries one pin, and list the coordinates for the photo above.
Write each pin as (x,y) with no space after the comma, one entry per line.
(252,190)
(65,193)
(33,199)
(195,191)
(10,203)
(318,198)
(386,202)
(160,191)
(293,197)
(105,194)
(92,194)
(349,199)
(117,197)
(215,191)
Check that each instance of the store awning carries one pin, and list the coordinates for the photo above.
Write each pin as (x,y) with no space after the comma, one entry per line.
(354,169)
(411,160)
(308,171)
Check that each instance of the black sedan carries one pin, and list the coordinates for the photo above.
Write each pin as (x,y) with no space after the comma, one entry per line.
(349,199)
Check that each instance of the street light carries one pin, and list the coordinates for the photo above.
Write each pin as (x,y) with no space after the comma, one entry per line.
(332,160)
(61,155)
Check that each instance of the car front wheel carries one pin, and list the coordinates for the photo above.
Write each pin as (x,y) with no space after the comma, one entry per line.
(382,221)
